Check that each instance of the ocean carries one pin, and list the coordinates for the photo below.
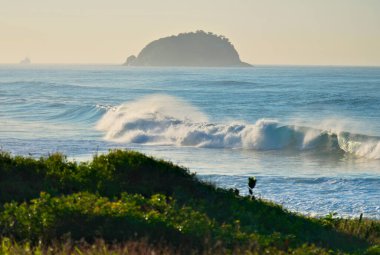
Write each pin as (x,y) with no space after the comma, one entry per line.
(310,135)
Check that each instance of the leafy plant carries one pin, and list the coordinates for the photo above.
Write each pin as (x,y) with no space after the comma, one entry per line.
(251,185)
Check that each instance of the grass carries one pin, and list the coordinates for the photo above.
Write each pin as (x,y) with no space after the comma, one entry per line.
(127,203)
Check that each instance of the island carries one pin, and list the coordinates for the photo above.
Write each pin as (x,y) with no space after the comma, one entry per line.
(25,61)
(189,49)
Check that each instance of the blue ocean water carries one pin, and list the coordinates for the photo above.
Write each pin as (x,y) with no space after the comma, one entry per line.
(311,135)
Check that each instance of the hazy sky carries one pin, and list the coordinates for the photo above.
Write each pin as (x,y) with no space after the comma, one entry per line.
(318,32)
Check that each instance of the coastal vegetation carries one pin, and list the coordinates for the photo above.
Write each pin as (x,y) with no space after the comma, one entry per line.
(125,202)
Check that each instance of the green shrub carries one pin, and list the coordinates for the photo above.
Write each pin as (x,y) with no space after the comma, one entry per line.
(125,195)
(85,215)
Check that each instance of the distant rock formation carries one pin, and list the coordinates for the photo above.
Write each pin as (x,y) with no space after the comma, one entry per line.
(189,49)
(25,61)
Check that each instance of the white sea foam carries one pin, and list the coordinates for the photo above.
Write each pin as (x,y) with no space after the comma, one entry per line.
(162,119)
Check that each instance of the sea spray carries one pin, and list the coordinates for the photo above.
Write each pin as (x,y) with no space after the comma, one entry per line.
(166,120)
(149,116)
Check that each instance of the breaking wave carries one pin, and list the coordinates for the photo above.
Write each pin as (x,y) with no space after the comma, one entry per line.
(162,119)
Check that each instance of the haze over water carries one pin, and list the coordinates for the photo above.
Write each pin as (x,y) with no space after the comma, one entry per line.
(311,135)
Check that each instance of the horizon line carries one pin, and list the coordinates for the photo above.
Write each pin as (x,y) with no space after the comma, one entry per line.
(253,65)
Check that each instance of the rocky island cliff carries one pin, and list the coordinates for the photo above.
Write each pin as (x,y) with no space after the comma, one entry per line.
(189,49)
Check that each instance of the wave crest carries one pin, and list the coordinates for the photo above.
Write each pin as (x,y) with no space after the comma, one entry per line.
(162,119)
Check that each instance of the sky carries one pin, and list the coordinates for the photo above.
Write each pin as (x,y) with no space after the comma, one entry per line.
(269,32)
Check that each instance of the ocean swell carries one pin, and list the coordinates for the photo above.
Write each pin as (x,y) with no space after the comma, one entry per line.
(165,120)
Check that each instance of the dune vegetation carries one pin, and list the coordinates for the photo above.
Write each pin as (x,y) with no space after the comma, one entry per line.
(125,202)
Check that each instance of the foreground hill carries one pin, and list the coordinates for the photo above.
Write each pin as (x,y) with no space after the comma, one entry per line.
(189,49)
(127,203)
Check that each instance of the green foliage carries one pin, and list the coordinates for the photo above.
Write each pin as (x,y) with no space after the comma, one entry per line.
(374,250)
(99,247)
(109,175)
(85,215)
(330,219)
(126,196)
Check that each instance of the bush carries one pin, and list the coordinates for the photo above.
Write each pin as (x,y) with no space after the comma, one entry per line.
(127,196)
(85,215)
